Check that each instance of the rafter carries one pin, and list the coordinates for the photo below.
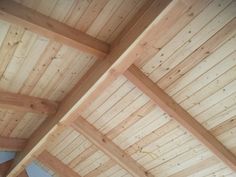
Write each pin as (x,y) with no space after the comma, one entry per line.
(15,13)
(12,144)
(108,147)
(140,80)
(56,165)
(27,103)
(126,50)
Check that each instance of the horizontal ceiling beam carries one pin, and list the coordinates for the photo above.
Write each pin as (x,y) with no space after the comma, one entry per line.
(23,174)
(165,102)
(109,148)
(34,21)
(56,165)
(12,144)
(26,103)
(102,74)
(4,167)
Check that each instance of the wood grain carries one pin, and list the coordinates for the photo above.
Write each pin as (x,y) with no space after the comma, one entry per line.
(12,144)
(41,24)
(174,110)
(27,103)
(55,164)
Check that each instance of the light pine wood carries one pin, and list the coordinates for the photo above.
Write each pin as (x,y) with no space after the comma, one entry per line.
(152,137)
(209,91)
(4,167)
(56,165)
(102,168)
(165,102)
(26,103)
(41,66)
(108,147)
(113,133)
(83,156)
(12,144)
(195,168)
(90,14)
(159,132)
(9,45)
(41,24)
(103,73)
(198,55)
(190,56)
(11,122)
(116,23)
(196,8)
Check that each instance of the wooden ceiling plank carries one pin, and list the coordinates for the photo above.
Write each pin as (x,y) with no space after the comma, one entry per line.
(26,103)
(99,76)
(34,21)
(12,144)
(56,165)
(165,102)
(109,148)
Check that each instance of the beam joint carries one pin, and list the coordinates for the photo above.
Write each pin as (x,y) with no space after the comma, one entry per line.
(34,21)
(174,110)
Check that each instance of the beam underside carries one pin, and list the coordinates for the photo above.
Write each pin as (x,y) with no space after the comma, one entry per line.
(174,110)
(107,73)
(34,21)
(94,82)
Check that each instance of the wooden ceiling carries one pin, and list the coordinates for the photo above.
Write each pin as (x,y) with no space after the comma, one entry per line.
(119,87)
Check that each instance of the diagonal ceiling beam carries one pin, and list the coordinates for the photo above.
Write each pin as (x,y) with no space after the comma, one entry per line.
(56,165)
(27,103)
(29,19)
(109,148)
(165,102)
(12,144)
(127,49)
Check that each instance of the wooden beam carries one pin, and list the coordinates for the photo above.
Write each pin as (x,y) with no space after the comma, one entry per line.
(12,144)
(165,102)
(27,103)
(103,73)
(56,165)
(4,167)
(23,174)
(31,20)
(109,148)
